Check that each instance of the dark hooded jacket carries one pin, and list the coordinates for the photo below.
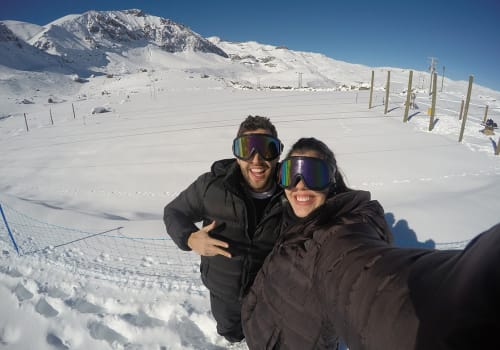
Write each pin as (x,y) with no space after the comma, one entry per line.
(334,273)
(283,309)
(220,195)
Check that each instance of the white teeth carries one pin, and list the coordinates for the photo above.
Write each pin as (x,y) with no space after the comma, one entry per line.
(257,170)
(303,198)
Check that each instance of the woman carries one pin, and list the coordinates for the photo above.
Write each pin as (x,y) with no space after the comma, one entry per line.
(283,309)
(333,273)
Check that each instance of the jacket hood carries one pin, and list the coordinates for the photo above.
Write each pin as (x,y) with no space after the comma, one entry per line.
(355,206)
(230,171)
(223,167)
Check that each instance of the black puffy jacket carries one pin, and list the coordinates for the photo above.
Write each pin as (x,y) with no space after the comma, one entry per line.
(220,195)
(283,309)
(334,273)
(379,297)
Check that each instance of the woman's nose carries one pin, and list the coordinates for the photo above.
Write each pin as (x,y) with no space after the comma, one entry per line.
(300,185)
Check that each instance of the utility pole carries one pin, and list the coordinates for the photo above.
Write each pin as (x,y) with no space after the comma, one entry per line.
(421,81)
(432,70)
(300,80)
(442,80)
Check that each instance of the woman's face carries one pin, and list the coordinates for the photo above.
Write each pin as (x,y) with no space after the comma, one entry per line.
(302,199)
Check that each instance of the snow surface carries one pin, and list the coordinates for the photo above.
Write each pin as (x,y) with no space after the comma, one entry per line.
(166,125)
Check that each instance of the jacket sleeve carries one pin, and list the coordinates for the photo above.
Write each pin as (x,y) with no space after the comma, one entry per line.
(188,208)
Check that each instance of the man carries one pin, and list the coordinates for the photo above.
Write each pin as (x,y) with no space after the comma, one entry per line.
(237,201)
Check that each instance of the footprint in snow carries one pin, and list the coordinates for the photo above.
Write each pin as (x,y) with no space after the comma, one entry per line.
(84,306)
(56,342)
(142,320)
(22,293)
(12,272)
(190,334)
(53,292)
(101,332)
(45,309)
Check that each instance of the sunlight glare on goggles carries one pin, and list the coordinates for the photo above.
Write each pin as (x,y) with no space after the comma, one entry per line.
(267,146)
(313,171)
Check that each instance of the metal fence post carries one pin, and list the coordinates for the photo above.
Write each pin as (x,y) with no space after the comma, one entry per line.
(8,229)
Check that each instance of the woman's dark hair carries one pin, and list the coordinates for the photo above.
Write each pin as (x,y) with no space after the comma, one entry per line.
(311,144)
(252,123)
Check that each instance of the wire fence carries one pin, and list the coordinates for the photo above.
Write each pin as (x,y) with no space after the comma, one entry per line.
(459,115)
(108,254)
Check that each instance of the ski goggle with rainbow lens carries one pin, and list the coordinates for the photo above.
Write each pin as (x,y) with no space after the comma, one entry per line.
(245,146)
(315,173)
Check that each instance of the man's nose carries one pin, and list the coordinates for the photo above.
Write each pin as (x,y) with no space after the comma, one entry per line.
(256,158)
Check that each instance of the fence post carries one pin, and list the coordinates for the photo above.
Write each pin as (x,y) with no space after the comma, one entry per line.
(371,90)
(51,120)
(433,105)
(466,108)
(74,115)
(461,110)
(408,94)
(387,85)
(8,230)
(485,114)
(26,122)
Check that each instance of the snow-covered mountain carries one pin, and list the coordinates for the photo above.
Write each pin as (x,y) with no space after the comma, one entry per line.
(118,43)
(19,55)
(273,65)
(74,35)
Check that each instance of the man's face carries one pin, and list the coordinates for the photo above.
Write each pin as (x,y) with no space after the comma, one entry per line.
(257,172)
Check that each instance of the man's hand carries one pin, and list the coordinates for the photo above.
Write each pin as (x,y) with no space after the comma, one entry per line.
(203,244)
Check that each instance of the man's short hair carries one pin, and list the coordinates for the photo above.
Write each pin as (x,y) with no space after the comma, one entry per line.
(254,122)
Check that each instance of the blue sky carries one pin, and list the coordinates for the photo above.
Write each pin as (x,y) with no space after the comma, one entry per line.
(464,35)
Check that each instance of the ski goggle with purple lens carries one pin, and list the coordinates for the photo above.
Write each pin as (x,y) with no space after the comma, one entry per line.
(315,173)
(245,146)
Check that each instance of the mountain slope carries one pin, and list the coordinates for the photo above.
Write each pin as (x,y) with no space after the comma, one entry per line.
(86,39)
(17,54)
(310,69)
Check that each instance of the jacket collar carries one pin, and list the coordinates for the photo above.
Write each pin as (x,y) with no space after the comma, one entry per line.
(350,206)
(232,178)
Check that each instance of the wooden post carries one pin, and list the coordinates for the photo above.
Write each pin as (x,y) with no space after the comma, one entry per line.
(387,85)
(408,95)
(461,110)
(74,115)
(371,90)
(497,151)
(433,106)
(26,122)
(51,120)
(466,108)
(485,114)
